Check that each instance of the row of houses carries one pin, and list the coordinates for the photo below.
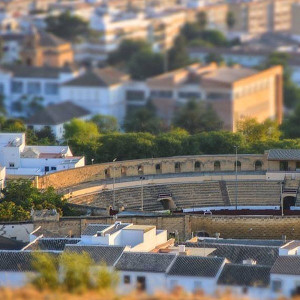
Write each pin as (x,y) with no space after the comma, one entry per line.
(146,259)
(234,92)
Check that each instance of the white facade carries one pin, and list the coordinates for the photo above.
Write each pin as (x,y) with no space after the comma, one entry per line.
(138,238)
(20,159)
(14,279)
(14,87)
(17,231)
(154,282)
(2,177)
(284,285)
(108,100)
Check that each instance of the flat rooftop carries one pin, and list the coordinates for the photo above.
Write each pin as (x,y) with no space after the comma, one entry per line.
(144,228)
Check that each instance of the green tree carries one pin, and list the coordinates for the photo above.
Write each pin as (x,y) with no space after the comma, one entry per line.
(12,125)
(20,196)
(126,50)
(218,142)
(105,124)
(106,279)
(76,271)
(171,143)
(81,131)
(290,90)
(2,105)
(146,64)
(197,116)
(46,267)
(178,56)
(67,26)
(125,146)
(230,19)
(143,120)
(253,131)
(214,57)
(202,20)
(291,125)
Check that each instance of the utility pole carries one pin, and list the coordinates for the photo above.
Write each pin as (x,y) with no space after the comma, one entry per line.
(114,181)
(236,177)
(281,197)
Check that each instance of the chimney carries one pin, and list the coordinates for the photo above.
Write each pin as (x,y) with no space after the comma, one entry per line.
(181,250)
(249,261)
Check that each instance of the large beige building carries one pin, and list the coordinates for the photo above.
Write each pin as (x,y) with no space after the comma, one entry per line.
(235,93)
(257,17)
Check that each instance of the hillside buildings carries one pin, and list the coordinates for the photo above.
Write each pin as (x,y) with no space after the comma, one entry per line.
(41,48)
(56,116)
(234,92)
(22,160)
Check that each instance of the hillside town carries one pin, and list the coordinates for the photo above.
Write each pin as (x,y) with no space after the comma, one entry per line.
(150,147)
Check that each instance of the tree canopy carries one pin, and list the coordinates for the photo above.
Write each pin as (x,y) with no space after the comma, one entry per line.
(68,26)
(20,196)
(197,116)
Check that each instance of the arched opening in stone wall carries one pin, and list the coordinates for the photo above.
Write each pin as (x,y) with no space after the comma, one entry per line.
(140,170)
(177,167)
(217,166)
(288,202)
(107,173)
(197,166)
(258,165)
(238,164)
(158,168)
(168,203)
(123,171)
(202,233)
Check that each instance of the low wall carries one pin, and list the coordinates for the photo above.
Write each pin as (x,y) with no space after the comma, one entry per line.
(228,226)
(183,164)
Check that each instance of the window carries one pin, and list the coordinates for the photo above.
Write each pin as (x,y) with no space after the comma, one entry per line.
(51,88)
(132,95)
(217,166)
(298,165)
(140,170)
(107,173)
(177,167)
(161,94)
(126,279)
(239,165)
(53,168)
(189,95)
(276,285)
(11,165)
(17,87)
(284,166)
(158,168)
(197,166)
(141,283)
(34,88)
(258,165)
(123,171)
(47,169)
(216,96)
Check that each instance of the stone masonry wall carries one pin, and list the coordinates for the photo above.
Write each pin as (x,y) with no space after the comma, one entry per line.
(67,178)
(227,226)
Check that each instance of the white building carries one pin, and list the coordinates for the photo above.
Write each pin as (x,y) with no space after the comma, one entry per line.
(285,276)
(101,91)
(44,82)
(138,237)
(2,177)
(56,116)
(22,160)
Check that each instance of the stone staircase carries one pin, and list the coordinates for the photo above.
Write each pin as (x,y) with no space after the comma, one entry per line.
(224,192)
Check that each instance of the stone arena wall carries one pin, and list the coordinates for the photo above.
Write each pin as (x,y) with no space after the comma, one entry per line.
(185,164)
(228,226)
